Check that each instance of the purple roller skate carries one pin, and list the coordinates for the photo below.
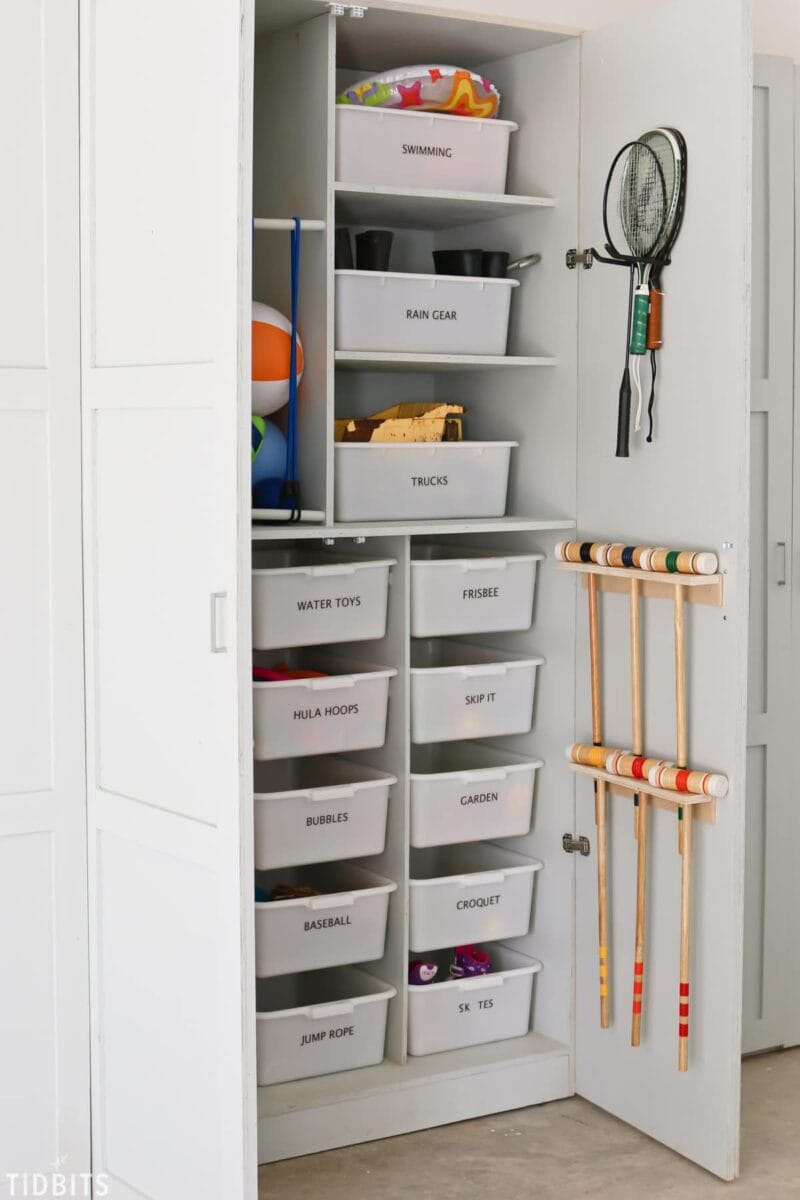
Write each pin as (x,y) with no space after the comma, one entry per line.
(470,961)
(420,972)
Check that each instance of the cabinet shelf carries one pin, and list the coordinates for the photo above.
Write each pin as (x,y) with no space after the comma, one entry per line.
(412,528)
(373,360)
(703,807)
(700,589)
(421,208)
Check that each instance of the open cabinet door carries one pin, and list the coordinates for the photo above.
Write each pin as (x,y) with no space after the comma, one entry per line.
(171,974)
(686,65)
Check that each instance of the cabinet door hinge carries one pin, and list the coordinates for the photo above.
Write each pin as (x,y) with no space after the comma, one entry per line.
(579,258)
(576,845)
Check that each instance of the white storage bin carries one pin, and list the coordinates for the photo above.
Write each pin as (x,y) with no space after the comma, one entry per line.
(345,924)
(422,314)
(467,792)
(455,590)
(313,1025)
(318,810)
(463,894)
(299,600)
(327,715)
(408,481)
(468,1012)
(421,150)
(461,691)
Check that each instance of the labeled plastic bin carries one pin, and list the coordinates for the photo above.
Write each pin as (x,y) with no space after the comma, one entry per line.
(346,923)
(315,1024)
(421,150)
(318,810)
(461,691)
(455,590)
(407,481)
(397,312)
(327,715)
(299,600)
(468,792)
(468,1012)
(462,894)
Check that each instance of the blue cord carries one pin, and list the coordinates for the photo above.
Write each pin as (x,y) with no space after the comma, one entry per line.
(291,424)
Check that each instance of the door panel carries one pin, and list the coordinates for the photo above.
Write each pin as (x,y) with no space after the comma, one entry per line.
(170,801)
(681,64)
(771,996)
(44,1034)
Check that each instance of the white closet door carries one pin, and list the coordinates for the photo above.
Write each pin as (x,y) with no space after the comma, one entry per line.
(44,1035)
(686,64)
(173,1093)
(772,886)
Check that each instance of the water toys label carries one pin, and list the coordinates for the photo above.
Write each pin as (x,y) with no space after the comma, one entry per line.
(431,314)
(485,593)
(329,602)
(478,902)
(480,798)
(425,151)
(464,1007)
(324,1035)
(481,698)
(330,710)
(429,481)
(338,818)
(325,923)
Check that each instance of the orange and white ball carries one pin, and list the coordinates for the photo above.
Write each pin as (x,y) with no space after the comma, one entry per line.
(272,341)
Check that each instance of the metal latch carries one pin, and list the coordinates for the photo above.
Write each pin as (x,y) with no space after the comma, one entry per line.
(576,845)
(579,258)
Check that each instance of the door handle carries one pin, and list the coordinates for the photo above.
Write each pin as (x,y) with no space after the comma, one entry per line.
(217,644)
(781,580)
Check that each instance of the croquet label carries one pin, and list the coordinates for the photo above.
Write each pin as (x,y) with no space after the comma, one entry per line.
(478,902)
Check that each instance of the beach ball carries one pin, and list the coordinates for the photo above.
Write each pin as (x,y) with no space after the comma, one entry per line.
(272,341)
(268,447)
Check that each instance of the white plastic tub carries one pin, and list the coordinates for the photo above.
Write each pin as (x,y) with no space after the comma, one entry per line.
(299,600)
(461,691)
(318,810)
(469,1012)
(468,792)
(396,312)
(455,590)
(421,150)
(463,894)
(313,1025)
(338,712)
(407,481)
(346,924)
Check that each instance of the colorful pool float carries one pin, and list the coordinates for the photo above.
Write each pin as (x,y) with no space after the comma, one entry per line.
(452,90)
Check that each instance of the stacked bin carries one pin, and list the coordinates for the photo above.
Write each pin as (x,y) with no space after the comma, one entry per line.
(465,794)
(315,811)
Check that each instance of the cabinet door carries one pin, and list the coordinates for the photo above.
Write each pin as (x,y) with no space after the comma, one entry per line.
(772,886)
(688,65)
(173,1096)
(44,1028)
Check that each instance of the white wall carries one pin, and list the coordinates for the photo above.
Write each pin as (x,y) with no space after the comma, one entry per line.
(776,23)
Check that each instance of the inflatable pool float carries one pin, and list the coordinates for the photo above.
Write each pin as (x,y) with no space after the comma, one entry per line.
(442,89)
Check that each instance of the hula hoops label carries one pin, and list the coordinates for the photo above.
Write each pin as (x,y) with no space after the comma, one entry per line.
(330,710)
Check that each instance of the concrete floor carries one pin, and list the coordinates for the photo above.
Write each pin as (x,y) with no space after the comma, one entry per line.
(567,1149)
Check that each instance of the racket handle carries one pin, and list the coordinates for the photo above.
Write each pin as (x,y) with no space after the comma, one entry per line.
(639,320)
(654,339)
(624,415)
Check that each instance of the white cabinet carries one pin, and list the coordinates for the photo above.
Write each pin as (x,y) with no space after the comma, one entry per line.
(169,264)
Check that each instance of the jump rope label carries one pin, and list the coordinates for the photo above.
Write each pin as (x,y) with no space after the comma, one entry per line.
(329,602)
(330,710)
(324,1035)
